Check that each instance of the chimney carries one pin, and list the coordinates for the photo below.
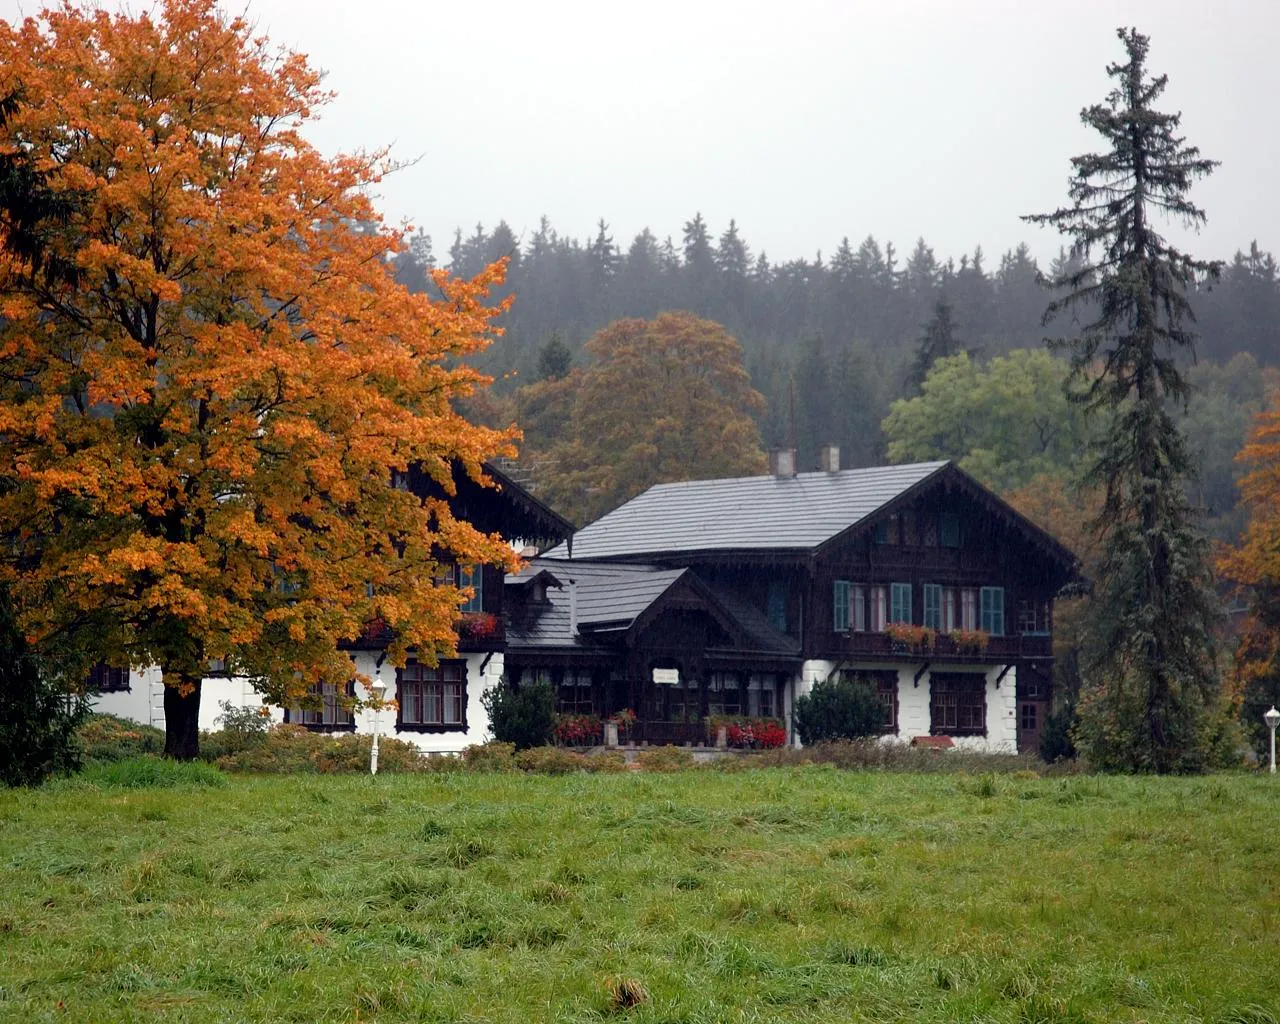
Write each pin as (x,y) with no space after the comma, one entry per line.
(829,458)
(782,462)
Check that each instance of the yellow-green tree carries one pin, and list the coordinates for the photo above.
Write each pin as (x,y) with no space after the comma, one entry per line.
(208,374)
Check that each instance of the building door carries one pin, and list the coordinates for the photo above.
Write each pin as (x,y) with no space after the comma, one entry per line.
(1031,714)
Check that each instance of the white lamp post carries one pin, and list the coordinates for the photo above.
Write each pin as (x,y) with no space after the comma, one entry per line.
(1272,718)
(379,688)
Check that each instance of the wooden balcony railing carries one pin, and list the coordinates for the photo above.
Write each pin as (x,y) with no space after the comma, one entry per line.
(999,649)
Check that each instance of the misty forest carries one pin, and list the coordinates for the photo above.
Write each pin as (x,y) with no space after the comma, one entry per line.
(833,341)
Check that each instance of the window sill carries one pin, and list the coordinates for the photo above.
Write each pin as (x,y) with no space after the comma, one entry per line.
(326,728)
(417,727)
(958,732)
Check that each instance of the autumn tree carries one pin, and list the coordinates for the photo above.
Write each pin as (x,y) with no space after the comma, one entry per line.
(663,399)
(205,418)
(1254,565)
(1151,699)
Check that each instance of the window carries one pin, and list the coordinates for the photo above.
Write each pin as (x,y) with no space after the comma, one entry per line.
(879,608)
(104,678)
(1027,715)
(848,603)
(840,606)
(328,710)
(900,602)
(933,606)
(968,609)
(724,694)
(432,698)
(1033,617)
(958,704)
(993,610)
(886,531)
(575,695)
(949,610)
(949,530)
(908,521)
(762,695)
(777,606)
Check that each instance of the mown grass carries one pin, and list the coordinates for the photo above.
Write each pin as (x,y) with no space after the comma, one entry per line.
(806,894)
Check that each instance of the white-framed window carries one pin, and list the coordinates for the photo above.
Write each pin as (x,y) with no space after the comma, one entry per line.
(762,695)
(879,608)
(968,608)
(950,610)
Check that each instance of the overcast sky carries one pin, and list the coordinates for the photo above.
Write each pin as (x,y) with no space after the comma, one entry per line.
(806,120)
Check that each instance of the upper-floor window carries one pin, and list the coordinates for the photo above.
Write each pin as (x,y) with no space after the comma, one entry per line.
(968,608)
(433,697)
(887,531)
(900,602)
(879,609)
(1033,617)
(932,594)
(104,678)
(949,530)
(993,610)
(849,607)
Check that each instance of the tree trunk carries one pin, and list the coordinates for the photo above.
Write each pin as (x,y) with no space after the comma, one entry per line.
(181,719)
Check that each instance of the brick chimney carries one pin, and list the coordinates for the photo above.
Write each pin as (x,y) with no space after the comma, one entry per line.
(782,462)
(829,458)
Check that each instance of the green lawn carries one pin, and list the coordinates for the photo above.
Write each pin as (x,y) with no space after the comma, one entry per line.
(785,894)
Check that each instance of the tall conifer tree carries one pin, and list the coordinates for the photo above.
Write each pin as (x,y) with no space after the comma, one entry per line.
(1151,694)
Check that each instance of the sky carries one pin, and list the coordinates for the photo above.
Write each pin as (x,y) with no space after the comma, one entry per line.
(804,120)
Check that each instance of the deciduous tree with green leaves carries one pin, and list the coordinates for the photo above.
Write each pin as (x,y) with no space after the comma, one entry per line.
(1152,698)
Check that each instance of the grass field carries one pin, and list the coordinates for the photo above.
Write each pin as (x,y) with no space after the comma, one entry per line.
(805,894)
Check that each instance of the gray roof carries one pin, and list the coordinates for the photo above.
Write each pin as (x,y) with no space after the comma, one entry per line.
(755,512)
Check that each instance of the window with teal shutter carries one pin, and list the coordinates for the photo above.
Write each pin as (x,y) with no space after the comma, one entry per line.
(993,610)
(840,605)
(933,606)
(472,576)
(900,602)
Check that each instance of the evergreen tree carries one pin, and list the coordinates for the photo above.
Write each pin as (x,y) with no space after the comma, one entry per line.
(1151,699)
(938,341)
(554,358)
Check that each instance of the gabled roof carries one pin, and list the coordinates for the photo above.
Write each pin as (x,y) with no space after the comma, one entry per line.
(745,513)
(603,599)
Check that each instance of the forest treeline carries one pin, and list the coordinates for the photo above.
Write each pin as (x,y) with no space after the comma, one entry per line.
(845,327)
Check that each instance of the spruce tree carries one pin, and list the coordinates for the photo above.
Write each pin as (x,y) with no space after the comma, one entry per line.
(938,341)
(1151,698)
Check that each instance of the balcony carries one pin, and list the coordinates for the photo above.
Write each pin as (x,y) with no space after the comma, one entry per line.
(1000,650)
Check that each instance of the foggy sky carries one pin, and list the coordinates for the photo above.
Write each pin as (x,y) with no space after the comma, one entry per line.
(805,120)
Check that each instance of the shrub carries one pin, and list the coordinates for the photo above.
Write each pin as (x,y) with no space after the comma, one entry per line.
(153,773)
(38,720)
(665,759)
(838,708)
(291,749)
(106,738)
(1055,737)
(550,761)
(896,757)
(494,756)
(607,762)
(524,717)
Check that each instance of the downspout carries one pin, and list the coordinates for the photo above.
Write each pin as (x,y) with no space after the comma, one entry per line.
(573,609)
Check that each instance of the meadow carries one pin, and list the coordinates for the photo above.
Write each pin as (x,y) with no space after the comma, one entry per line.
(795,894)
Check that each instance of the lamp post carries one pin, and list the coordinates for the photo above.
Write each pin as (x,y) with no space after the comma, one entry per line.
(379,688)
(1272,718)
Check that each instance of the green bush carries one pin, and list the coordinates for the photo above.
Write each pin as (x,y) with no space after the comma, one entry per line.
(242,729)
(107,738)
(494,756)
(900,757)
(153,773)
(291,750)
(1055,736)
(665,759)
(524,716)
(38,720)
(838,709)
(550,761)
(606,762)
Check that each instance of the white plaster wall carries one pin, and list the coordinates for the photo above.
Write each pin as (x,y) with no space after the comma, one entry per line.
(144,700)
(478,681)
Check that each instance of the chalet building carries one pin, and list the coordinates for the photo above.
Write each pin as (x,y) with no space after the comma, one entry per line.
(732,598)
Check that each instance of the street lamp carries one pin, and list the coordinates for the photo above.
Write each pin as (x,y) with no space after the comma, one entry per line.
(1272,718)
(379,688)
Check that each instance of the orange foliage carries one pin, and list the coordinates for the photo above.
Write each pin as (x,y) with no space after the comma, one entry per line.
(199,427)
